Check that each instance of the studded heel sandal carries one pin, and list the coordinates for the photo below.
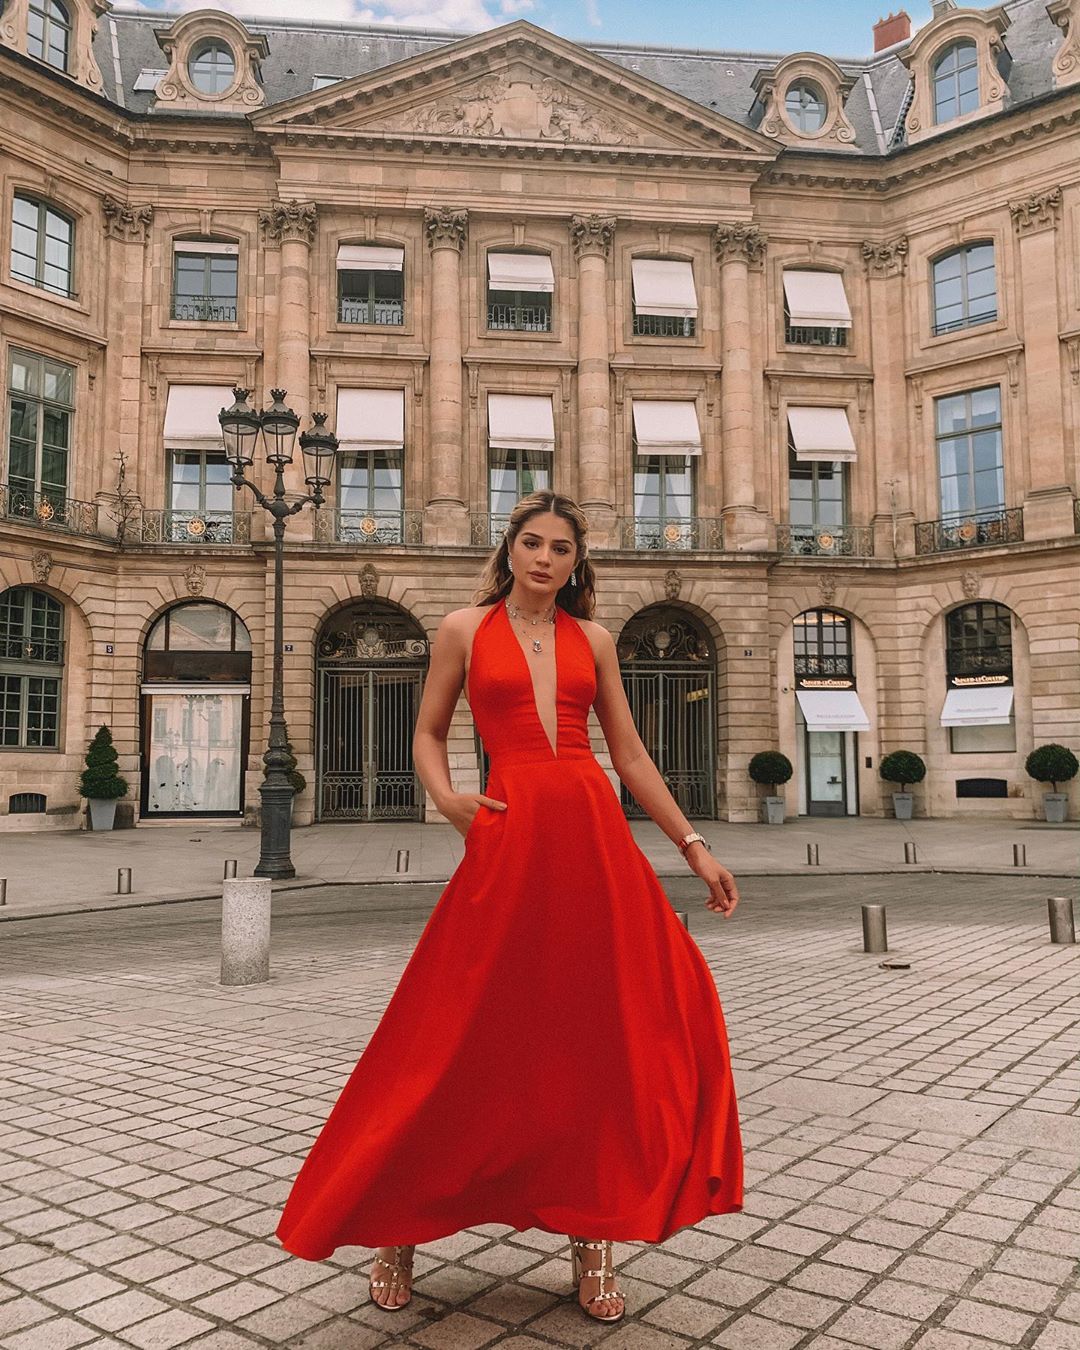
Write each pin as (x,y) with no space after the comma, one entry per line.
(396,1270)
(579,1245)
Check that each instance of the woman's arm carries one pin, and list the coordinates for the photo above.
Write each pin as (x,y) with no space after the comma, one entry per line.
(442,689)
(635,767)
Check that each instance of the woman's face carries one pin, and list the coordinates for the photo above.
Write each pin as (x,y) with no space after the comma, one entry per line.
(543,555)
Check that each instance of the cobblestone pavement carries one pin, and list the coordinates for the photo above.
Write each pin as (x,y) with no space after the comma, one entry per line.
(912,1135)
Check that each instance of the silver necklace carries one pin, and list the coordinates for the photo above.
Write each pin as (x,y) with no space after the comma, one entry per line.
(518,614)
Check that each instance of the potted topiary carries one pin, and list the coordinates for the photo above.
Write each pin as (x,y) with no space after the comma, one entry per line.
(903,767)
(100,782)
(770,768)
(1053,764)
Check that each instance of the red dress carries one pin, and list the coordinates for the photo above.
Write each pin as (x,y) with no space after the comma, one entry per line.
(554,1055)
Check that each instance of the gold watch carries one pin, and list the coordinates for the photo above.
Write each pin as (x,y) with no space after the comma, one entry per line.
(692,838)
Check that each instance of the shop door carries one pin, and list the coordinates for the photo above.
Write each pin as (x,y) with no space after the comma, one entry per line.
(365,769)
(826,786)
(673,710)
(194,753)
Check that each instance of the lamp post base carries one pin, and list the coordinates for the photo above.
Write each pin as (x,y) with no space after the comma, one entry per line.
(274,854)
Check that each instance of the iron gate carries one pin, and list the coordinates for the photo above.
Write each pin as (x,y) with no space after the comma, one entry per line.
(669,675)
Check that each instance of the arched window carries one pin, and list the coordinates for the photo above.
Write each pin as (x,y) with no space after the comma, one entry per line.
(823,644)
(212,66)
(48,33)
(956,81)
(978,640)
(979,710)
(965,288)
(199,626)
(42,245)
(204,280)
(805,106)
(31,666)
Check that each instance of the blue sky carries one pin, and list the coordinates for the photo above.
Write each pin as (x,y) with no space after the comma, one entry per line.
(835,27)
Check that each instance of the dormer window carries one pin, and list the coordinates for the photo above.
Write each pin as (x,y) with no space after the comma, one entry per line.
(212,67)
(805,106)
(48,33)
(956,82)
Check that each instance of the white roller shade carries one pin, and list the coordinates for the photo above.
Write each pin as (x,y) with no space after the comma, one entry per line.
(521,422)
(520,272)
(205,246)
(821,433)
(191,416)
(978,705)
(371,419)
(662,287)
(832,710)
(369,258)
(816,300)
(663,428)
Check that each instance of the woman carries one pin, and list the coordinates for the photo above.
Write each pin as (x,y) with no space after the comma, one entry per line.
(554,1055)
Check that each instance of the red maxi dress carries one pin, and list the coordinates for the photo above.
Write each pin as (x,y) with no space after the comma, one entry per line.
(554,1055)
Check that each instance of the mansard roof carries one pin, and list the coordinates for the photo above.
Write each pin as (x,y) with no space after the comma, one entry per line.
(720,82)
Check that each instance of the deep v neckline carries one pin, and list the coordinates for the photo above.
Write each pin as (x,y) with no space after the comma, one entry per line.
(554,748)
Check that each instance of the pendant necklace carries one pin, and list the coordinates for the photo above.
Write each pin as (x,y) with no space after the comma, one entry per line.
(517,614)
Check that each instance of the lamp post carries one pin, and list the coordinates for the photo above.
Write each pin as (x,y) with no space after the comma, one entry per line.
(241,426)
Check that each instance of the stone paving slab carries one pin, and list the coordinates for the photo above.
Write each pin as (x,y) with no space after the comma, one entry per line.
(912,1137)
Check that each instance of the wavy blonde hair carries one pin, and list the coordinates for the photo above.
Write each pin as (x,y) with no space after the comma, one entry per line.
(496,579)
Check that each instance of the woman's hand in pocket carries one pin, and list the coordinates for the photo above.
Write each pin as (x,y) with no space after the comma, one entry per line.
(462,807)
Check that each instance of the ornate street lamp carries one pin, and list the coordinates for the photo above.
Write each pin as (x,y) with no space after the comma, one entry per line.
(241,427)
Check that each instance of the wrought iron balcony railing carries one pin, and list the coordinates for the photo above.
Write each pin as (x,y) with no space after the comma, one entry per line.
(663,325)
(980,528)
(520,318)
(692,533)
(486,528)
(204,308)
(369,527)
(826,541)
(196,527)
(386,313)
(810,666)
(798,336)
(988,660)
(49,510)
(47,651)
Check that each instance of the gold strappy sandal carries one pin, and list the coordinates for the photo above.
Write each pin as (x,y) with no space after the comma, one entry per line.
(577,1246)
(396,1269)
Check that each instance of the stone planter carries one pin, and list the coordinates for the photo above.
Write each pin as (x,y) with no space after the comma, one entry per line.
(102,812)
(773,810)
(1055,807)
(902,804)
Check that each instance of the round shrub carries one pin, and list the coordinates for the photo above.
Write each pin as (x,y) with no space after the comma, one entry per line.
(903,767)
(770,768)
(1052,764)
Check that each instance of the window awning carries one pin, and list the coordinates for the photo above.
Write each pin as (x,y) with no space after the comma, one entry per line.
(816,300)
(978,705)
(205,246)
(821,433)
(371,419)
(664,287)
(521,422)
(369,258)
(520,272)
(191,416)
(664,428)
(832,710)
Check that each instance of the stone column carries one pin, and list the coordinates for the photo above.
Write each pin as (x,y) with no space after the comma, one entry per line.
(291,226)
(738,247)
(446,515)
(1048,505)
(591,237)
(891,489)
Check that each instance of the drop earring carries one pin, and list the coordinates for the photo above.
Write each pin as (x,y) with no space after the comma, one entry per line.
(509,565)
(573,580)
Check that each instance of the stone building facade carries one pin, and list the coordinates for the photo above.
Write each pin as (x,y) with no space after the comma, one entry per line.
(803,337)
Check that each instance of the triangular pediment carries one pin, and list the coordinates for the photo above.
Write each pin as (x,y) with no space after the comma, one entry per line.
(516,83)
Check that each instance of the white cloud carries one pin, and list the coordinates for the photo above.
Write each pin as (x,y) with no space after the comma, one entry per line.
(592,13)
(459,15)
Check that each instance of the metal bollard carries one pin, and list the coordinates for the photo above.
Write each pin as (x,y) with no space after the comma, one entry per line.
(910,853)
(1019,855)
(230,868)
(1062,920)
(812,855)
(123,881)
(245,931)
(403,860)
(874,935)
(3,890)
(683,917)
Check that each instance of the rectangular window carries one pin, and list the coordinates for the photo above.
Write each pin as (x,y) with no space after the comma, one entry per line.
(965,289)
(42,246)
(664,298)
(371,284)
(816,494)
(971,472)
(520,290)
(511,475)
(204,281)
(983,740)
(816,312)
(371,466)
(41,396)
(31,641)
(201,497)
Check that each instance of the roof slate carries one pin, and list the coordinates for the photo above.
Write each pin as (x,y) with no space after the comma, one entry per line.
(125,45)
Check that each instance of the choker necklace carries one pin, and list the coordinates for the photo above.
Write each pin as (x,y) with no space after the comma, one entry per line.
(518,615)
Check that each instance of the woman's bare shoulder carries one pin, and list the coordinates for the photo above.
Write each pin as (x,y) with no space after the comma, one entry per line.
(599,638)
(463,622)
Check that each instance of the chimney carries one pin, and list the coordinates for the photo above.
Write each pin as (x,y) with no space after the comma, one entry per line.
(896,28)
